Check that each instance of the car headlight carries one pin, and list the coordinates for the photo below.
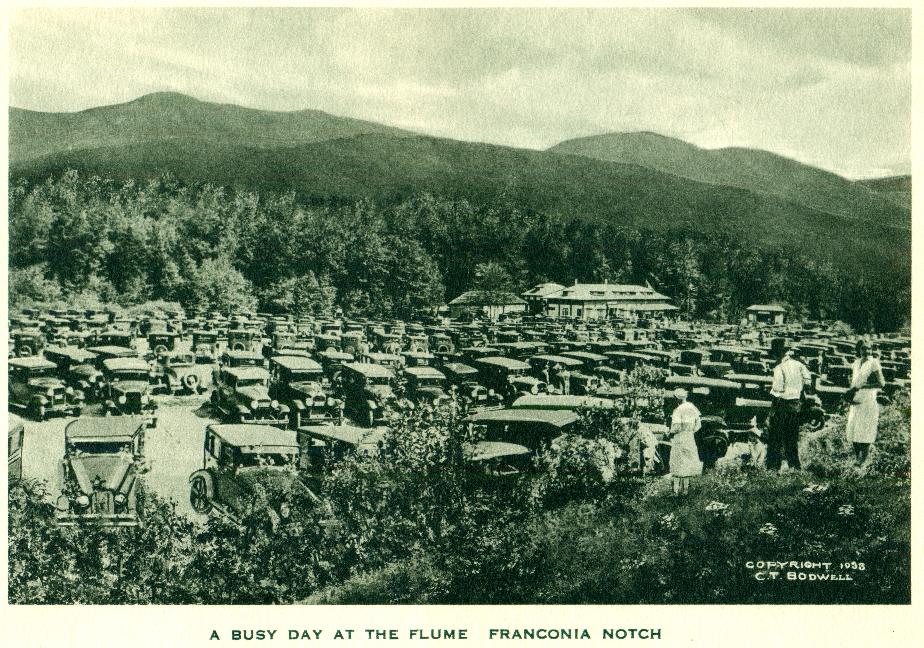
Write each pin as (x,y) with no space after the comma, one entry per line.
(254,404)
(534,389)
(274,404)
(122,399)
(69,391)
(83,501)
(145,398)
(119,498)
(50,392)
(490,392)
(330,402)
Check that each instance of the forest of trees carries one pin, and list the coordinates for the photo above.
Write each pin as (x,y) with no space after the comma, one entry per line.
(221,248)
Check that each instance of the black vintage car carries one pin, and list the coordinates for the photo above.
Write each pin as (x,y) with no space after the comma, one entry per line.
(127,387)
(241,394)
(298,382)
(471,393)
(425,385)
(35,387)
(238,461)
(76,368)
(101,470)
(367,390)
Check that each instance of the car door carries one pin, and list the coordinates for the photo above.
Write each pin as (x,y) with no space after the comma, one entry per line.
(19,386)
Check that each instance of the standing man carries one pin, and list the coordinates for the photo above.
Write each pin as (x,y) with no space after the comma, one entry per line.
(790,377)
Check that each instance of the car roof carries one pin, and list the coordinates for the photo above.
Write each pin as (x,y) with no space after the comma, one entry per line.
(485,450)
(71,352)
(424,372)
(336,355)
(570,362)
(556,418)
(117,351)
(246,372)
(104,428)
(250,437)
(32,362)
(370,370)
(699,381)
(500,361)
(560,401)
(121,364)
(460,368)
(296,363)
(346,434)
(584,355)
(249,355)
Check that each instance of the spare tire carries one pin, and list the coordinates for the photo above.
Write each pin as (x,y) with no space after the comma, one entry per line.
(190,381)
(160,349)
(443,348)
(238,346)
(25,350)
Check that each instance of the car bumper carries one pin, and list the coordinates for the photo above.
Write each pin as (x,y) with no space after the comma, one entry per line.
(102,519)
(283,421)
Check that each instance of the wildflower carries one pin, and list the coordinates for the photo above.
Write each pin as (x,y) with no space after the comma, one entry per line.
(768,529)
(815,488)
(716,506)
(845,509)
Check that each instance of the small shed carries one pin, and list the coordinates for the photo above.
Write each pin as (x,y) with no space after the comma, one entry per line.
(766,314)
(490,304)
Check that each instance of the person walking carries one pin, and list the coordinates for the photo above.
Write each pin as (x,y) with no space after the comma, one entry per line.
(790,377)
(863,417)
(684,461)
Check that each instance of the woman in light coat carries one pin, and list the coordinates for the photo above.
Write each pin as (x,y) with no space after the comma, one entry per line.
(863,417)
(684,462)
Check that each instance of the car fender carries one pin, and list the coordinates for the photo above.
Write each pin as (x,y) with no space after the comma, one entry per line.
(299,405)
(372,405)
(243,409)
(83,385)
(40,400)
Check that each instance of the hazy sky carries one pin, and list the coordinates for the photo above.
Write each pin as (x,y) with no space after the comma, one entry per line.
(827,87)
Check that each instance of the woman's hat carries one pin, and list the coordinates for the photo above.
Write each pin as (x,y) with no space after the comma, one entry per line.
(680,393)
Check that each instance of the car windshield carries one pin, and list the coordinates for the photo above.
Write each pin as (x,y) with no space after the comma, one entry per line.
(250,382)
(379,381)
(130,374)
(430,382)
(307,375)
(255,460)
(41,372)
(85,447)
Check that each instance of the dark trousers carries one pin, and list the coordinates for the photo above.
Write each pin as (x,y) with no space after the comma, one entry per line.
(783,434)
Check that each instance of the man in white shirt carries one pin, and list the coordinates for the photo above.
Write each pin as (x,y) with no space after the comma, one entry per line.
(790,378)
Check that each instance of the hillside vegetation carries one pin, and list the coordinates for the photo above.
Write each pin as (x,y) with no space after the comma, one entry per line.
(282,197)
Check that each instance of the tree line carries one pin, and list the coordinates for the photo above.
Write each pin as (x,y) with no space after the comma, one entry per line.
(225,248)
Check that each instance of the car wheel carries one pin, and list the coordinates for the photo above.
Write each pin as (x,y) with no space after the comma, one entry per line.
(199,496)
(78,411)
(816,421)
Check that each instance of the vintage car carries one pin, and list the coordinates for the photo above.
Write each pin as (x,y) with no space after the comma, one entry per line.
(241,394)
(27,342)
(425,385)
(395,362)
(497,459)
(285,341)
(321,444)
(101,471)
(177,373)
(332,362)
(115,338)
(240,461)
(549,365)
(16,436)
(161,341)
(298,382)
(76,368)
(241,359)
(127,387)
(533,429)
(243,339)
(205,346)
(509,377)
(367,390)
(417,358)
(471,393)
(35,387)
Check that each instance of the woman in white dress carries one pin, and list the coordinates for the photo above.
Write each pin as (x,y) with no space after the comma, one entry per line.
(863,417)
(685,462)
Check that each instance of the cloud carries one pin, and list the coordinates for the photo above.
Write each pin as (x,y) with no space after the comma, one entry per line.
(829,87)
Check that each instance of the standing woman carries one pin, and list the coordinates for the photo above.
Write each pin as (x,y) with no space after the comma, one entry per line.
(684,462)
(863,418)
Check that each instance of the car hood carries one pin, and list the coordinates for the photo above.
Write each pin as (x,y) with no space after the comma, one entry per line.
(310,388)
(382,392)
(254,393)
(130,386)
(112,470)
(432,391)
(86,371)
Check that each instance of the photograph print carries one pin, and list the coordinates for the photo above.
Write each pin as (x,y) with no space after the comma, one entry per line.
(459,306)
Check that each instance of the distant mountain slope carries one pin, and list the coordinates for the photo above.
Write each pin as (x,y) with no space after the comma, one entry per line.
(897,188)
(751,169)
(170,115)
(385,167)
